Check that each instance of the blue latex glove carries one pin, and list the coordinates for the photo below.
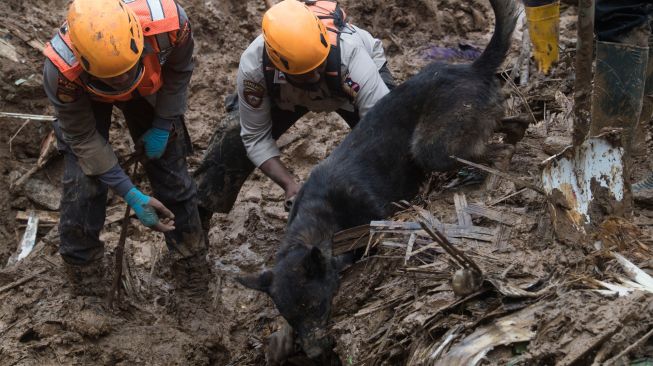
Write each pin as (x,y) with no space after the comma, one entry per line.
(155,140)
(139,203)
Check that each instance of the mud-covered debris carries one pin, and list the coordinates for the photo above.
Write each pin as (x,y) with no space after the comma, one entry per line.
(466,281)
(22,281)
(43,193)
(643,281)
(511,329)
(8,51)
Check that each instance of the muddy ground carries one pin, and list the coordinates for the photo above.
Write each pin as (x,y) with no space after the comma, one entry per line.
(384,314)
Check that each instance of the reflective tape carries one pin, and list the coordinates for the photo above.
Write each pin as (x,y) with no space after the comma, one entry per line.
(62,49)
(156,9)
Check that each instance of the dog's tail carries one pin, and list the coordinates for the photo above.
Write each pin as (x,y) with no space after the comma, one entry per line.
(505,12)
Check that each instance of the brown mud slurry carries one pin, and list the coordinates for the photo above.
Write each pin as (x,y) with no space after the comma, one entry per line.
(382,315)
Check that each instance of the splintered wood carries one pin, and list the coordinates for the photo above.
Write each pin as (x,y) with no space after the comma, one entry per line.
(410,236)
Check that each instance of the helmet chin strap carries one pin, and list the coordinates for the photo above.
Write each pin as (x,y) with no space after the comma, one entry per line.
(102,89)
(305,86)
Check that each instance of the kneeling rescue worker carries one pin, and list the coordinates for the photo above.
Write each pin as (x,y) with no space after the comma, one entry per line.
(307,59)
(135,55)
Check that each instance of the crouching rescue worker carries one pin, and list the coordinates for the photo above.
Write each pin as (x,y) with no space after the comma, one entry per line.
(307,59)
(135,55)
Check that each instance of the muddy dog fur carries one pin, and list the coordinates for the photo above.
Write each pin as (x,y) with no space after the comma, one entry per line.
(442,111)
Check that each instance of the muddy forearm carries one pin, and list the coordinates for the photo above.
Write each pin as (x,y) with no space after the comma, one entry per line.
(275,169)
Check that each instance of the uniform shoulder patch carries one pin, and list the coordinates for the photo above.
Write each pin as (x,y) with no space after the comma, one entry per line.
(350,87)
(68,91)
(253,93)
(183,33)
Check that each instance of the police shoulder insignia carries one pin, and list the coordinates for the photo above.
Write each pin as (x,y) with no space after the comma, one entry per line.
(68,91)
(253,93)
(351,87)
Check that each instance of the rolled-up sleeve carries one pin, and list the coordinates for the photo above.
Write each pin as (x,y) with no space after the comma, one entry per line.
(77,122)
(254,106)
(363,71)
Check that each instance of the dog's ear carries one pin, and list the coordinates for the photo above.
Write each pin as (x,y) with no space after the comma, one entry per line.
(260,281)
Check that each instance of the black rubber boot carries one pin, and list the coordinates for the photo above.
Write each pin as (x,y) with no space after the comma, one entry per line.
(619,84)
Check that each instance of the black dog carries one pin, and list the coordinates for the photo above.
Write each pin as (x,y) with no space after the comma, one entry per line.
(444,110)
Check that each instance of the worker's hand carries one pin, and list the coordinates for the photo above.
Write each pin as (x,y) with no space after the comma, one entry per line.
(291,192)
(148,209)
(155,140)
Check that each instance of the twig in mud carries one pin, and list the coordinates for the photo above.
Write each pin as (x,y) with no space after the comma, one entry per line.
(21,281)
(11,140)
(521,96)
(501,174)
(12,325)
(120,250)
(442,240)
(644,338)
(505,272)
(384,339)
(155,261)
(499,200)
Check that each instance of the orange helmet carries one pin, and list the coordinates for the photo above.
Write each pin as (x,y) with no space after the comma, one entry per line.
(106,36)
(295,39)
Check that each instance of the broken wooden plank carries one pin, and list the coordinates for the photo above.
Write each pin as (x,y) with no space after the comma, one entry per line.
(501,240)
(506,218)
(45,217)
(33,117)
(464,218)
(450,230)
(517,327)
(391,226)
(356,237)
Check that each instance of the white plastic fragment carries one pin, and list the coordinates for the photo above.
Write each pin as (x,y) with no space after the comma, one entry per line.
(29,239)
